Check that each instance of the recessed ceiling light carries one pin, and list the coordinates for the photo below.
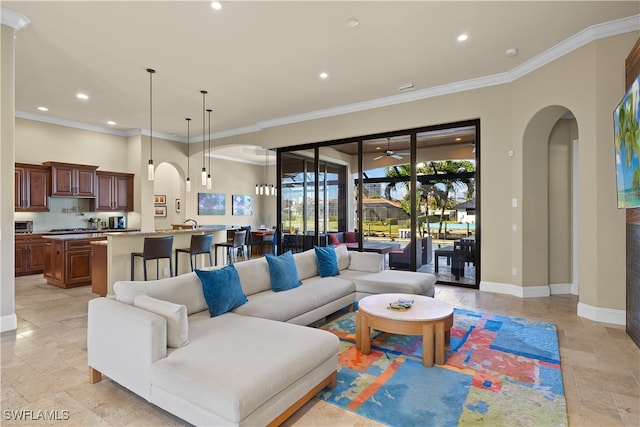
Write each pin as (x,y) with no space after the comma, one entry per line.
(80,95)
(324,75)
(511,52)
(352,22)
(43,109)
(111,123)
(216,5)
(458,139)
(462,37)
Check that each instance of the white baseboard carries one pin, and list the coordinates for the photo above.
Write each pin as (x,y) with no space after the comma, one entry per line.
(597,314)
(604,315)
(561,288)
(517,291)
(8,323)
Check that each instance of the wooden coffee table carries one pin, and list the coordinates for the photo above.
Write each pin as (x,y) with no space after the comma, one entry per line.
(427,317)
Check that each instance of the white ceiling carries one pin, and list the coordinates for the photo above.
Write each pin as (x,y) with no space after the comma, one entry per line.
(260,61)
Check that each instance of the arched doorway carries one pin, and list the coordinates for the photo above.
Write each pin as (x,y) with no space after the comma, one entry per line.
(549,201)
(168,190)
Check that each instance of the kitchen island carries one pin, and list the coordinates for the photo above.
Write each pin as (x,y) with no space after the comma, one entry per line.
(120,245)
(67,261)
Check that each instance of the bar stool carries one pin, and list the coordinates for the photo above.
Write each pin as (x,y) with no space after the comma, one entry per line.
(200,244)
(234,245)
(154,248)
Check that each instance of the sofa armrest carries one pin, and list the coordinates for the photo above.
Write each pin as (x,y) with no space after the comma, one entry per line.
(123,341)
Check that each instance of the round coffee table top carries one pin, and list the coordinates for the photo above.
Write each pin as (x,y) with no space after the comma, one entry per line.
(423,308)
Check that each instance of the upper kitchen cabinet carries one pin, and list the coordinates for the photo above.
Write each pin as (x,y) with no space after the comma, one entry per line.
(70,180)
(32,188)
(114,191)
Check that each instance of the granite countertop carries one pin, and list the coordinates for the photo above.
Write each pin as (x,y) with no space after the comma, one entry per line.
(77,236)
(100,234)
(171,231)
(80,231)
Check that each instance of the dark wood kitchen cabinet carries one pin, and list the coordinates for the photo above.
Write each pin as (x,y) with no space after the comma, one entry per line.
(32,188)
(68,259)
(71,180)
(29,254)
(114,191)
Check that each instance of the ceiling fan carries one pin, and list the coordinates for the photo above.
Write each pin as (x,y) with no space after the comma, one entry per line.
(390,153)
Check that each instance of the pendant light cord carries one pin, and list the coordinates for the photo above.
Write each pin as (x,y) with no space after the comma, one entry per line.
(204,93)
(151,71)
(188,150)
(209,111)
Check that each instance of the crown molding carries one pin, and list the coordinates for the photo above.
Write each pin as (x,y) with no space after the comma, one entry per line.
(586,36)
(575,42)
(578,40)
(126,133)
(70,123)
(12,19)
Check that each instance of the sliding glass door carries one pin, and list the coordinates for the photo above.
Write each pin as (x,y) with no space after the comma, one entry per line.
(415,191)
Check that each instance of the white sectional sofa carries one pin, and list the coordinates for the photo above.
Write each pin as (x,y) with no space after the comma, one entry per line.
(254,365)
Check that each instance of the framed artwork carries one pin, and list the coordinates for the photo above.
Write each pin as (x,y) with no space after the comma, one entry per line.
(178,206)
(160,211)
(160,199)
(241,205)
(211,204)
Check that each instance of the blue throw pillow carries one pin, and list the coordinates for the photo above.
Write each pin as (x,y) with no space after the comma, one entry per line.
(222,289)
(327,261)
(283,272)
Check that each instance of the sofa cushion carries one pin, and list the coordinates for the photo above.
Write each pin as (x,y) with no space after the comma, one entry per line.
(350,237)
(327,261)
(222,289)
(366,261)
(314,292)
(393,281)
(342,253)
(283,272)
(254,275)
(184,289)
(306,263)
(234,364)
(175,314)
(333,239)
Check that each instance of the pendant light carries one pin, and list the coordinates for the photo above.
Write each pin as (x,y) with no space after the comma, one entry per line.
(204,170)
(266,189)
(188,185)
(150,167)
(273,187)
(209,174)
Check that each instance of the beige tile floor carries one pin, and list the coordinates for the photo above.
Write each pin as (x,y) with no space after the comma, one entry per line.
(44,364)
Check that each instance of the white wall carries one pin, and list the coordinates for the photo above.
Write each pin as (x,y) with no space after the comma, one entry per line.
(8,319)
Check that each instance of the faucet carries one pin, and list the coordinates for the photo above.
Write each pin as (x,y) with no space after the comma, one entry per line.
(195,223)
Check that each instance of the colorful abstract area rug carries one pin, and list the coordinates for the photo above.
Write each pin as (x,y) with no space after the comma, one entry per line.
(499,371)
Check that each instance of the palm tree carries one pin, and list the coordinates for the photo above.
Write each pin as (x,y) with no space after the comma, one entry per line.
(436,192)
(628,137)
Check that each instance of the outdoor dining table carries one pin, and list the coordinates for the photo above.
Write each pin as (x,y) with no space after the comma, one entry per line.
(445,251)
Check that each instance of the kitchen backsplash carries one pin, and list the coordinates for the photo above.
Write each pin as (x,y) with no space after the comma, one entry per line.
(71,213)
